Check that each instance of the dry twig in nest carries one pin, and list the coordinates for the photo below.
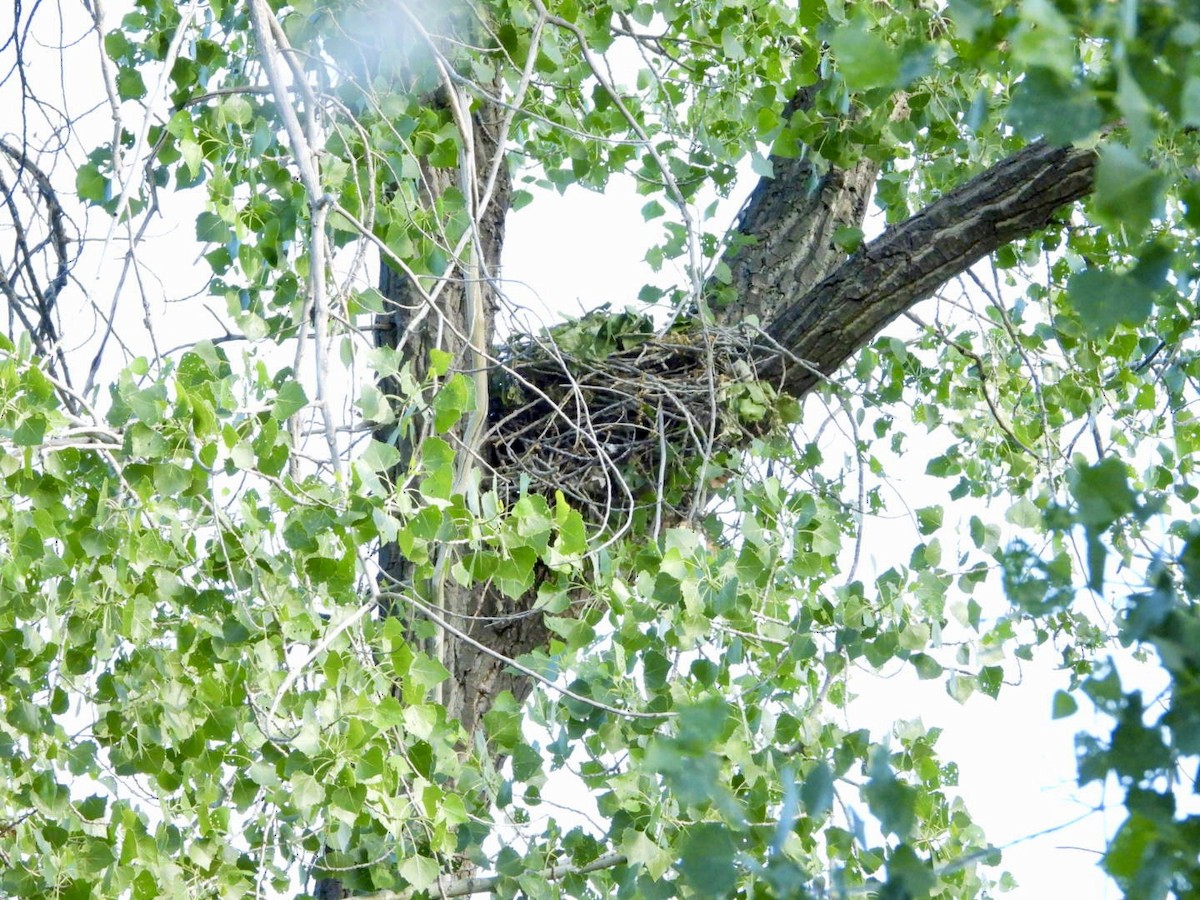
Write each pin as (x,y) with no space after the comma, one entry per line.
(643,428)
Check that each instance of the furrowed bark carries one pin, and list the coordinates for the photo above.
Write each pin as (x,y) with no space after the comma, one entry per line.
(1015,198)
(784,243)
(484,614)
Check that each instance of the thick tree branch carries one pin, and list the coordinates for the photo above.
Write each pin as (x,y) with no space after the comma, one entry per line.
(910,261)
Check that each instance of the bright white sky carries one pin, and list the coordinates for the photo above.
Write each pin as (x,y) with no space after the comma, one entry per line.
(567,254)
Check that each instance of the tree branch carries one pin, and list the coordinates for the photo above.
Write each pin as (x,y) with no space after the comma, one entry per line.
(908,262)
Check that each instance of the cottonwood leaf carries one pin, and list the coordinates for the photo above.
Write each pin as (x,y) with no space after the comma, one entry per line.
(706,861)
(1044,105)
(864,59)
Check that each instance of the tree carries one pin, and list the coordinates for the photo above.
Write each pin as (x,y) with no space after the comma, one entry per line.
(331,592)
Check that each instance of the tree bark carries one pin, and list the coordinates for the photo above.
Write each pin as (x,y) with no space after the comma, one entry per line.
(475,677)
(784,239)
(820,329)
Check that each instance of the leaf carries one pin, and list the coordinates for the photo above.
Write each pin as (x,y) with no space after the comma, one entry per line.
(307,793)
(1044,105)
(655,668)
(1129,193)
(453,401)
(848,238)
(129,84)
(419,871)
(706,861)
(379,457)
(817,792)
(439,362)
(1137,750)
(927,667)
(990,680)
(427,673)
(731,46)
(1064,705)
(640,849)
(289,401)
(31,431)
(211,228)
(503,723)
(891,801)
(908,874)
(437,459)
(864,60)
(1189,102)
(1102,493)
(90,184)
(653,210)
(1105,300)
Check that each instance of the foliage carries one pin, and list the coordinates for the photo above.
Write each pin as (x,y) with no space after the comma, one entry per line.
(201,696)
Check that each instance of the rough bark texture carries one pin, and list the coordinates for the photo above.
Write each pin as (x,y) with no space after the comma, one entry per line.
(486,615)
(784,242)
(824,326)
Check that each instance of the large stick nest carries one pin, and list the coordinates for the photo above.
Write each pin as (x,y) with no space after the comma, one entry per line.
(621,421)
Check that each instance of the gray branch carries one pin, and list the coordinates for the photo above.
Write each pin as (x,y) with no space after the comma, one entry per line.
(910,261)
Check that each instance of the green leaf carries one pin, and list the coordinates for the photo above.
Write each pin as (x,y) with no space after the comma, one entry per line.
(1064,705)
(211,228)
(129,84)
(731,46)
(891,801)
(848,238)
(419,871)
(307,793)
(289,401)
(90,184)
(1189,102)
(439,362)
(864,60)
(437,460)
(1044,105)
(427,673)
(31,432)
(927,667)
(1102,493)
(380,457)
(503,723)
(1105,300)
(817,792)
(707,860)
(453,401)
(1129,193)
(909,875)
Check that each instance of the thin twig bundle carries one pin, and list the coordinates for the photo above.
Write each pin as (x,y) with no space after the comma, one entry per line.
(641,428)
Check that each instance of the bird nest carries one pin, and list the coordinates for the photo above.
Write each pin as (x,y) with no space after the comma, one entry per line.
(623,422)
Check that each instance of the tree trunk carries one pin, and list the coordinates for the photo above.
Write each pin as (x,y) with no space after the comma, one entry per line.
(784,240)
(484,615)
